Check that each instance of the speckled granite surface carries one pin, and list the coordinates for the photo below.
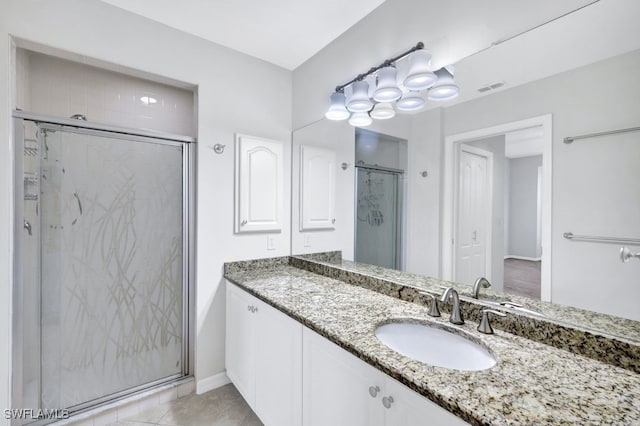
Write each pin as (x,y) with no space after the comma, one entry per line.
(564,327)
(532,383)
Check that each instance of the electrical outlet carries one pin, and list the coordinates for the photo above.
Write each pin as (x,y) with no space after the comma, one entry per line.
(307,240)
(271,242)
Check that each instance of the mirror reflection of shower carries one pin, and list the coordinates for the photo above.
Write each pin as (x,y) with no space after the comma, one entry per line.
(379,223)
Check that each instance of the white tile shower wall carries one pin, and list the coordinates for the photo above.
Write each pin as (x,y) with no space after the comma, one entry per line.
(62,88)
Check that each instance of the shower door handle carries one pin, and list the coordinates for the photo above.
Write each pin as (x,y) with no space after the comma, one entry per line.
(27,226)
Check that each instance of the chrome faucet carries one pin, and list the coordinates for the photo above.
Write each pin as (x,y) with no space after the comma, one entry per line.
(456,315)
(480,282)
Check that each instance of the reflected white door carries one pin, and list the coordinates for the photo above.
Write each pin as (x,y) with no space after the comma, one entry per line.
(473,204)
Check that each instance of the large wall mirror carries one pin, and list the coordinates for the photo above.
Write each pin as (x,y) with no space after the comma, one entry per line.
(490,186)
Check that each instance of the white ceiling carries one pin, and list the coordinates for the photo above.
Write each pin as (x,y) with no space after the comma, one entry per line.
(283,32)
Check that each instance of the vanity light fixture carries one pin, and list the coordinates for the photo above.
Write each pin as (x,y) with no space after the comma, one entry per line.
(337,110)
(363,105)
(383,111)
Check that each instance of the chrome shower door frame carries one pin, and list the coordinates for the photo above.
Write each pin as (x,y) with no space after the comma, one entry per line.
(188,242)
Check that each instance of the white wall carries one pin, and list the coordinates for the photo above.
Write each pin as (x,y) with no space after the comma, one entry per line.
(523,206)
(232,97)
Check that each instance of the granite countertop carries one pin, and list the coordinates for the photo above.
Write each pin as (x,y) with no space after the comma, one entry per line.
(605,325)
(531,383)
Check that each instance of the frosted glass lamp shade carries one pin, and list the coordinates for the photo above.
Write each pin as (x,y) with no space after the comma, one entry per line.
(420,77)
(359,100)
(445,88)
(383,111)
(360,119)
(387,88)
(337,110)
(411,101)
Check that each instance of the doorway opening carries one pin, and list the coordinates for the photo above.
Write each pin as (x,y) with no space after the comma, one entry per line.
(497,207)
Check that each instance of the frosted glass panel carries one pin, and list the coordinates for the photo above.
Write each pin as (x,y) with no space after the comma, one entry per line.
(112,267)
(377,218)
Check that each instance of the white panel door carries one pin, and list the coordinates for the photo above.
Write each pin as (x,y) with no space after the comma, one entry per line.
(473,204)
(259,184)
(240,343)
(278,367)
(337,386)
(317,188)
(409,408)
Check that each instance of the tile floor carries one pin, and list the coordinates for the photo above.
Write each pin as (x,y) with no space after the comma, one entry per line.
(220,407)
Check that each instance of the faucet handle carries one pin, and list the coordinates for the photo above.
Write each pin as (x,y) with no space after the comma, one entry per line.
(433,307)
(485,325)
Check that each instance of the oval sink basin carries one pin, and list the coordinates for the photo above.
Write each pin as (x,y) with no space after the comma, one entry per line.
(435,346)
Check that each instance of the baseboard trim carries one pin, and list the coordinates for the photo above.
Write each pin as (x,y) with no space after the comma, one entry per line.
(532,259)
(212,382)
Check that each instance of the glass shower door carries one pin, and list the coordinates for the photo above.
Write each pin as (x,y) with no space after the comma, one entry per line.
(377,217)
(111,261)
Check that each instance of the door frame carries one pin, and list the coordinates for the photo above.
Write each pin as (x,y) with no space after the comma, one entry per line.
(448,197)
(488,247)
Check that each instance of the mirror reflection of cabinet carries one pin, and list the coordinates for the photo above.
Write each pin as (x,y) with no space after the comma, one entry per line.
(317,188)
(259,185)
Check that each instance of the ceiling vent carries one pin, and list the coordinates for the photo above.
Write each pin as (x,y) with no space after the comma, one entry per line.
(492,86)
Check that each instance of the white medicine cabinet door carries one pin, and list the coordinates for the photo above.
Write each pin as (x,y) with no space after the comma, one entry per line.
(258,184)
(317,188)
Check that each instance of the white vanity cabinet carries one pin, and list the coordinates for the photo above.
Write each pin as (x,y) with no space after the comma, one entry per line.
(264,358)
(340,389)
(292,376)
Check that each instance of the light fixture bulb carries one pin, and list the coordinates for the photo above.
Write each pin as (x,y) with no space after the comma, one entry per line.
(360,119)
(383,111)
(337,110)
(420,76)
(359,100)
(445,88)
(387,88)
(411,101)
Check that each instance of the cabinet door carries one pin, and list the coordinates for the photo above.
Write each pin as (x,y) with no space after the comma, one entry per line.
(411,409)
(317,188)
(278,367)
(259,184)
(240,343)
(336,386)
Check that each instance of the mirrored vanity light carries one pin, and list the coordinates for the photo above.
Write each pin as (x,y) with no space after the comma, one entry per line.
(383,111)
(411,101)
(360,119)
(445,88)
